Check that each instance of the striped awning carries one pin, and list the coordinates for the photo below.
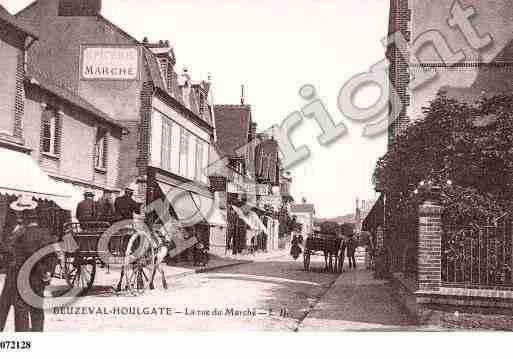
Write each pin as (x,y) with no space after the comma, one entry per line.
(22,175)
(192,208)
(251,219)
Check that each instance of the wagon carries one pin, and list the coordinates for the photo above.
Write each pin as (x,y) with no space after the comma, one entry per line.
(325,244)
(82,256)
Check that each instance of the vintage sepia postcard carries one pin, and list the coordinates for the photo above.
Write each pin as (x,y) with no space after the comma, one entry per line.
(240,165)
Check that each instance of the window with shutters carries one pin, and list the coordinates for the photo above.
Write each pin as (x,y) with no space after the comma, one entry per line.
(101,144)
(166,145)
(8,65)
(206,162)
(50,131)
(184,152)
(199,161)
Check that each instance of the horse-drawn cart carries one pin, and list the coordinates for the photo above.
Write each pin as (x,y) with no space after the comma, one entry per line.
(88,245)
(325,244)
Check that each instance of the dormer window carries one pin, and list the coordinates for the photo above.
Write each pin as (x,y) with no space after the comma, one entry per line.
(164,69)
(201,104)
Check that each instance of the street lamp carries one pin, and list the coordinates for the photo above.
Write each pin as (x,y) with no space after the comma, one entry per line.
(431,189)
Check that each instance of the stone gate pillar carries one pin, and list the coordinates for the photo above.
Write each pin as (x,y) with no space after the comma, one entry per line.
(429,248)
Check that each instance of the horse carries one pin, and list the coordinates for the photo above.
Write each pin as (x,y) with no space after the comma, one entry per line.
(144,255)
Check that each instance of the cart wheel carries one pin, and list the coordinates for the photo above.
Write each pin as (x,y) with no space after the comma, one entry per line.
(139,271)
(306,260)
(80,273)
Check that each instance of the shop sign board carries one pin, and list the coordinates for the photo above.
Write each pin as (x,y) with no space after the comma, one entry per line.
(249,188)
(108,62)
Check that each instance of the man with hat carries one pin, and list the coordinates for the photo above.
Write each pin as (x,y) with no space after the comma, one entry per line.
(86,210)
(126,206)
(25,240)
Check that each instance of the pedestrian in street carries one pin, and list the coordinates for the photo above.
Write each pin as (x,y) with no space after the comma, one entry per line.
(250,234)
(343,247)
(351,249)
(26,238)
(86,210)
(126,206)
(295,249)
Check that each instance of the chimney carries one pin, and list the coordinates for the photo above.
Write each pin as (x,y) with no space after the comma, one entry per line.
(80,7)
(186,78)
(253,131)
(242,94)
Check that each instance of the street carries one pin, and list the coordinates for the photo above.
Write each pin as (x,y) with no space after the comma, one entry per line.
(269,294)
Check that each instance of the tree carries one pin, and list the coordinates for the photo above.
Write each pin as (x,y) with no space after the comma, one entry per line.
(288,223)
(330,227)
(469,144)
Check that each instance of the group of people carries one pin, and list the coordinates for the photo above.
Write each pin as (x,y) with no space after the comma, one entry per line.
(252,242)
(349,245)
(103,210)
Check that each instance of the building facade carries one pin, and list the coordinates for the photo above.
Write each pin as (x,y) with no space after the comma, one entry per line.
(250,183)
(62,144)
(168,118)
(305,214)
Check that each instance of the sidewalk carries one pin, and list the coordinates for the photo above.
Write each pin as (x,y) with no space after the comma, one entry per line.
(358,302)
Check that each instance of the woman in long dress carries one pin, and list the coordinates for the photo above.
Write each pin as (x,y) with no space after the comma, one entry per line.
(295,249)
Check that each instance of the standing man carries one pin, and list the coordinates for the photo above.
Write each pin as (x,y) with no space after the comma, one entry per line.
(105,208)
(351,249)
(126,206)
(25,239)
(343,247)
(86,210)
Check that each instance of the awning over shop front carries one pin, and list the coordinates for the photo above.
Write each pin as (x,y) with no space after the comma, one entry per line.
(20,174)
(209,210)
(242,216)
(251,219)
(258,223)
(192,208)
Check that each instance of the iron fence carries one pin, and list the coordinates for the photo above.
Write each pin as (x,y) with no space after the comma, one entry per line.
(478,257)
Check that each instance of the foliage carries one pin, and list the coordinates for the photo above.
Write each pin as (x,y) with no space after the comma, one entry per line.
(329,227)
(469,144)
(287,223)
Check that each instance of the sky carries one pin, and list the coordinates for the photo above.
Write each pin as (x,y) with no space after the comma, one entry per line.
(274,47)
